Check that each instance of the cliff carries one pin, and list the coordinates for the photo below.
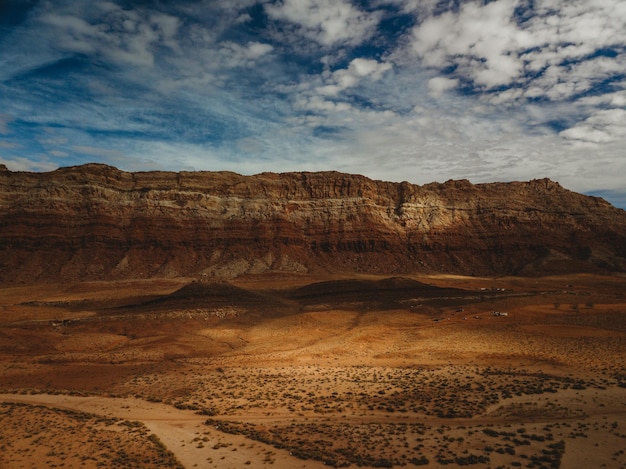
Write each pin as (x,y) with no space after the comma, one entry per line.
(97,222)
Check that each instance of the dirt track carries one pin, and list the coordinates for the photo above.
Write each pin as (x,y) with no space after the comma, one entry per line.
(391,380)
(179,430)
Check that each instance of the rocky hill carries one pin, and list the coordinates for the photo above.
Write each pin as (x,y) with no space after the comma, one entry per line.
(97,222)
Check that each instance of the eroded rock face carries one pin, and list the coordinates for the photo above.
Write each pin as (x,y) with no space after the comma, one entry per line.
(97,222)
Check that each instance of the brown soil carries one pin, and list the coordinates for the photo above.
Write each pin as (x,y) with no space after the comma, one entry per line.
(291,372)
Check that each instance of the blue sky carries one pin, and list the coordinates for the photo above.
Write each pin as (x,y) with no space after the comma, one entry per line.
(416,90)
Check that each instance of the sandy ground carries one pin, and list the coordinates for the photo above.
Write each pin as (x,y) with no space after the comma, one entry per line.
(431,379)
(183,432)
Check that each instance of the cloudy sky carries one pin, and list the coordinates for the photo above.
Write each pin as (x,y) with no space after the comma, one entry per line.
(416,90)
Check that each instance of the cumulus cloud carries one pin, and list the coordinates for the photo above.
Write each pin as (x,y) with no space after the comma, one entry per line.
(549,48)
(603,126)
(319,104)
(358,69)
(328,22)
(613,99)
(234,55)
(478,39)
(439,85)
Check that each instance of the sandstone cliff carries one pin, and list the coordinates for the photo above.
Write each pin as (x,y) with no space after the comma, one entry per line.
(97,222)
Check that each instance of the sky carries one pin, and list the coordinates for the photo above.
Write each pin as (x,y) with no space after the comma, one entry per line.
(398,90)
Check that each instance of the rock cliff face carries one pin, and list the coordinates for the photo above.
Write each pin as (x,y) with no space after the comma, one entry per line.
(97,222)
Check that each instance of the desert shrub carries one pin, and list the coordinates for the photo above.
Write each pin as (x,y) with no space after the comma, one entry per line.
(422,461)
(471,460)
(382,463)
(208,411)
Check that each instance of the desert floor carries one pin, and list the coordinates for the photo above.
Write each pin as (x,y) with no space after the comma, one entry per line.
(290,371)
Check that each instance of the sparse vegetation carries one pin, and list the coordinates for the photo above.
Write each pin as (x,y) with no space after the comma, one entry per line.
(30,430)
(329,383)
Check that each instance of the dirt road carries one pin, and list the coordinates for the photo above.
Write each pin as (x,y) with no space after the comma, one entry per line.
(182,431)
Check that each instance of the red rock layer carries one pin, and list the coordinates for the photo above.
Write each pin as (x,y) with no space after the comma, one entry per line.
(97,222)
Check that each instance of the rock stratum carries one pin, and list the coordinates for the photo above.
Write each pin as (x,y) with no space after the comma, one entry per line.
(95,222)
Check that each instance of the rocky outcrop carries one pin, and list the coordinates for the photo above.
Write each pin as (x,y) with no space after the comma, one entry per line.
(97,222)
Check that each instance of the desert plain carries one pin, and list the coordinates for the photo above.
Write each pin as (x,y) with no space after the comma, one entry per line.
(296,371)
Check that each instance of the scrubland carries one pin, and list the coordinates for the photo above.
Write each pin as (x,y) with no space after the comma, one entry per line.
(289,371)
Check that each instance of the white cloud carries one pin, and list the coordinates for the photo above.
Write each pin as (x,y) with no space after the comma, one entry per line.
(26,164)
(123,36)
(439,85)
(319,104)
(285,153)
(325,93)
(328,22)
(487,44)
(433,145)
(479,38)
(418,8)
(234,55)
(615,99)
(561,83)
(603,126)
(358,69)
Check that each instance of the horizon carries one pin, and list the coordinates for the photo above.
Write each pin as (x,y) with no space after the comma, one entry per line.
(318,171)
(395,90)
